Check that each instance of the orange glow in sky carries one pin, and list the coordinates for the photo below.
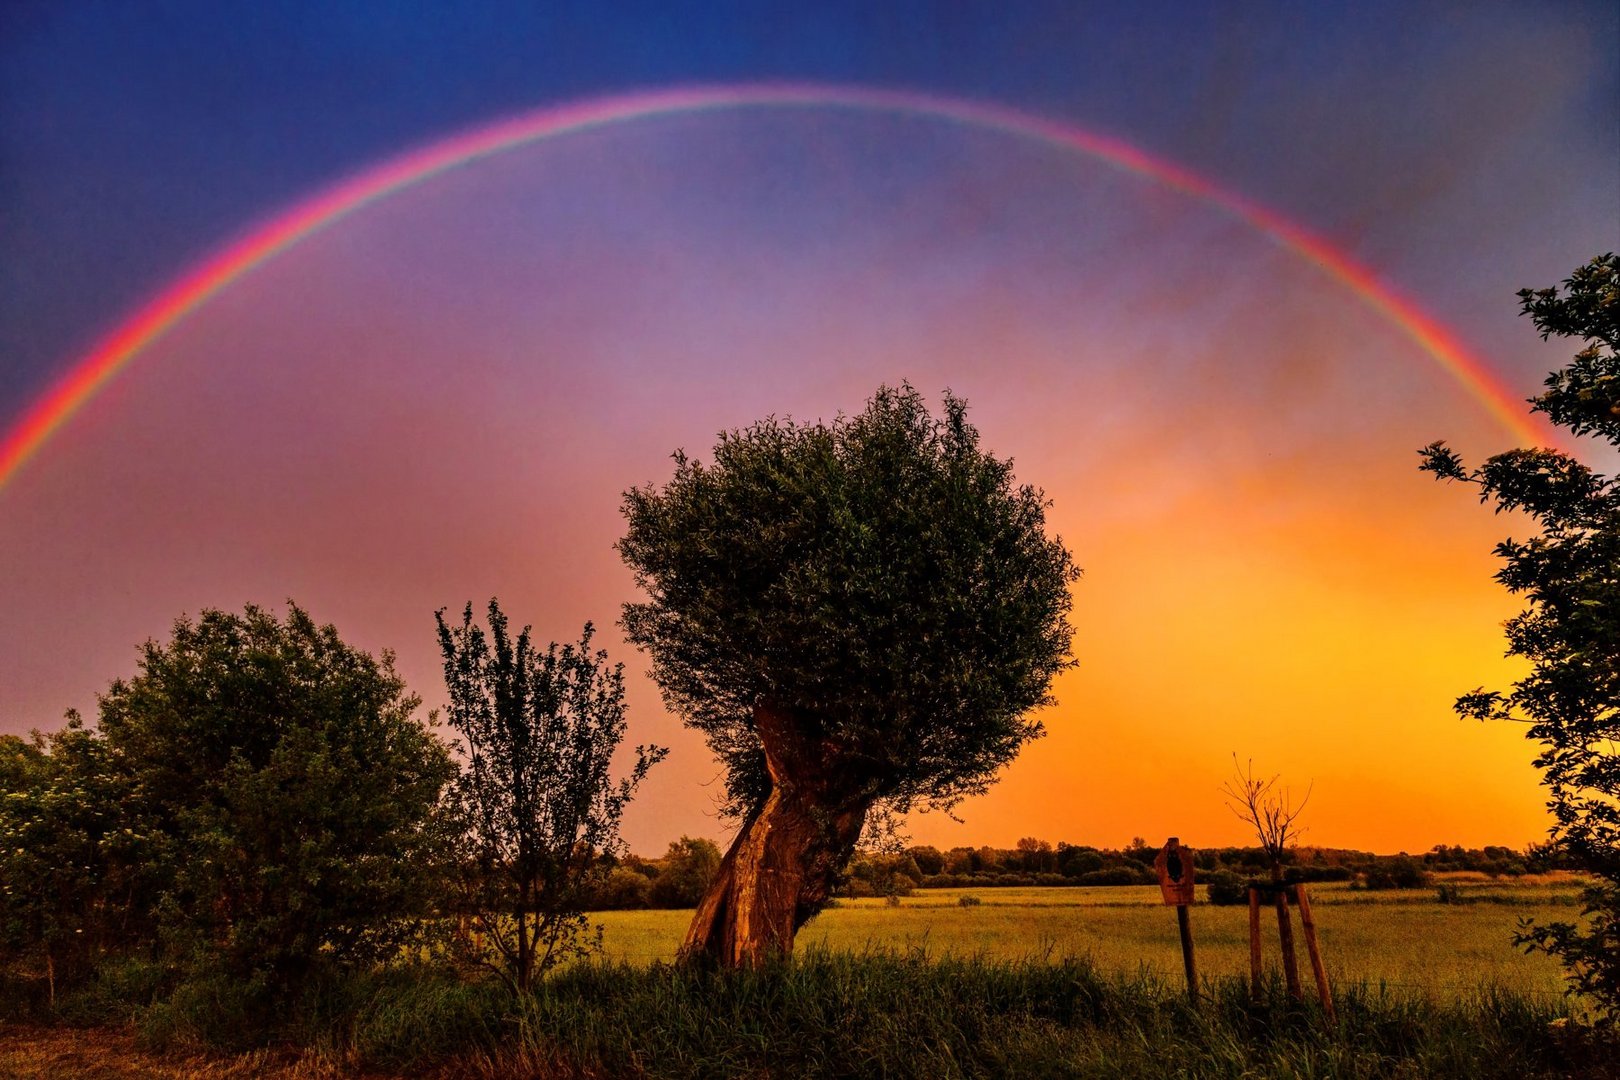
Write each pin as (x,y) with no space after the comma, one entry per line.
(442,398)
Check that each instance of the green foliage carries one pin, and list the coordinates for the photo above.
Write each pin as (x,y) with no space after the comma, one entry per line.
(535,811)
(71,852)
(1570,632)
(685,872)
(929,859)
(623,889)
(1226,888)
(1401,872)
(881,578)
(277,794)
(881,873)
(1118,875)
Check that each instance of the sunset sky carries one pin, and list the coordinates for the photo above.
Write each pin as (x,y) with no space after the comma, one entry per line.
(440,394)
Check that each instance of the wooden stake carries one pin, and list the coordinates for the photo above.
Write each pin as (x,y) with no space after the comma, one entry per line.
(1285,931)
(1184,923)
(1254,943)
(1308,924)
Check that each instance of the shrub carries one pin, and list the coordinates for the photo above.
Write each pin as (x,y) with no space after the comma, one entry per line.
(1226,888)
(1119,875)
(623,889)
(684,873)
(284,792)
(1401,872)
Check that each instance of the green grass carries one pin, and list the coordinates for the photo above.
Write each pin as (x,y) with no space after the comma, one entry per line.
(891,1015)
(1405,939)
(1030,982)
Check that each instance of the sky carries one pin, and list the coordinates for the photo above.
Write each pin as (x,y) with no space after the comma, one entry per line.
(441,395)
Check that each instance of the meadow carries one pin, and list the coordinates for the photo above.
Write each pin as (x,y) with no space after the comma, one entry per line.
(1401,938)
(1026,982)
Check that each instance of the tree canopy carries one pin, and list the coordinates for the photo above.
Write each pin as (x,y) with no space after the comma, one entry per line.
(854,613)
(535,810)
(881,576)
(283,787)
(1570,632)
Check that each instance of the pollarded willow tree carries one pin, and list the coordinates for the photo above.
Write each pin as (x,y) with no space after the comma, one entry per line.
(858,614)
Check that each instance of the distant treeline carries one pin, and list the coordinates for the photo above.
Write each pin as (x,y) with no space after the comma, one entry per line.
(678,878)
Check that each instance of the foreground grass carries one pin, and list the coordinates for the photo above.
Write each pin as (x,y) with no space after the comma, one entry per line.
(1029,982)
(58,1053)
(885,1014)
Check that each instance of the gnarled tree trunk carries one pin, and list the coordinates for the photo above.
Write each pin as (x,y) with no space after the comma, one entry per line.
(782,865)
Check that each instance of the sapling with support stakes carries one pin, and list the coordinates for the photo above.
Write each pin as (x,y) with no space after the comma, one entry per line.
(1271,811)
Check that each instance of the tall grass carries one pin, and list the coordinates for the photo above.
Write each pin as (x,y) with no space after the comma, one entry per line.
(890,1014)
(1055,983)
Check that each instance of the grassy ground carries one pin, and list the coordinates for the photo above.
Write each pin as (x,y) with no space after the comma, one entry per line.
(1028,982)
(59,1053)
(1402,938)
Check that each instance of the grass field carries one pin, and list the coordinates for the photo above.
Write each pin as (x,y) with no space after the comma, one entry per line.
(1043,982)
(1402,938)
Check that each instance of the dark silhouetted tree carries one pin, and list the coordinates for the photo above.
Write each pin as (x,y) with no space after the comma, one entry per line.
(1570,632)
(1268,807)
(536,811)
(858,614)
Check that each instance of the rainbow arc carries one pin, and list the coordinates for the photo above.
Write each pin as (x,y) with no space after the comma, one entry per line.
(47,416)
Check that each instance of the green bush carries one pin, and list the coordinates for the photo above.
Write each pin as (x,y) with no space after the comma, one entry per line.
(623,889)
(1118,875)
(1226,888)
(1400,872)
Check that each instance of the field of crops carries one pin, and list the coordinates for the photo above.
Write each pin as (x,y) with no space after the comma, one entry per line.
(1405,938)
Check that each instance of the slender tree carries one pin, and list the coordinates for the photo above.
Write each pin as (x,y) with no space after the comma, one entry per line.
(1570,632)
(1268,807)
(858,614)
(536,811)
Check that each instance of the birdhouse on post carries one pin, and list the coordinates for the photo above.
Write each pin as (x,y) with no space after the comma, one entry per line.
(1175,867)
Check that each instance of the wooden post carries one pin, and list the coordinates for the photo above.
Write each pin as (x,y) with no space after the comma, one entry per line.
(1254,943)
(1175,869)
(1308,924)
(1285,931)
(1184,923)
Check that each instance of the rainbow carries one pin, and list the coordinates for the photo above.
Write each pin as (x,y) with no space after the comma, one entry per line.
(111,355)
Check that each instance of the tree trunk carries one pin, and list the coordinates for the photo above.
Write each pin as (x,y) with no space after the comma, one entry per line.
(1285,934)
(782,865)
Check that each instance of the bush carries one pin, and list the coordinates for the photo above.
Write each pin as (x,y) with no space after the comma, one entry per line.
(285,793)
(684,873)
(623,889)
(1296,875)
(1077,861)
(1226,888)
(1401,872)
(968,901)
(1119,875)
